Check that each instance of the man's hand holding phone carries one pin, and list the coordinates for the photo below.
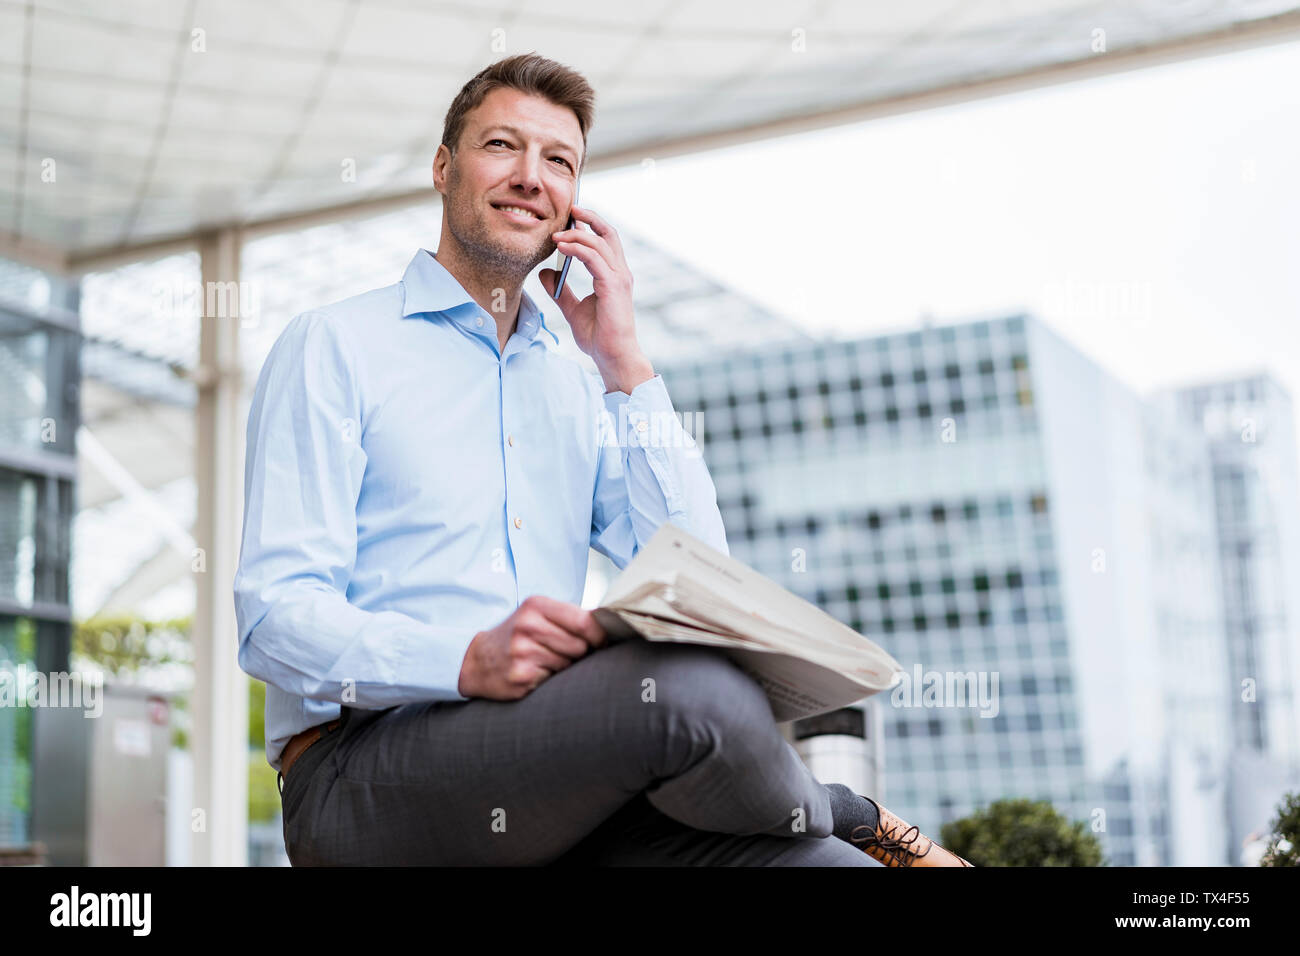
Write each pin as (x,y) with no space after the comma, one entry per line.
(542,637)
(603,323)
(557,286)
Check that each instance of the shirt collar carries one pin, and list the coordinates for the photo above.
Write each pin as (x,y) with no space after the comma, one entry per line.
(429,287)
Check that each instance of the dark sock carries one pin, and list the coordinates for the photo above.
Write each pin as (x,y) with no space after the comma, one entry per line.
(849,811)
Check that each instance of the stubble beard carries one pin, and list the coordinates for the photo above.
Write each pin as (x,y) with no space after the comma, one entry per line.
(485,246)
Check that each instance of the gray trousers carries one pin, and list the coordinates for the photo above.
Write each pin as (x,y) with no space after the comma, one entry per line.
(638,754)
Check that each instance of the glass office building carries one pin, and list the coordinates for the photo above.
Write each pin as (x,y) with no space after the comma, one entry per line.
(1250,428)
(984,501)
(1251,431)
(39,380)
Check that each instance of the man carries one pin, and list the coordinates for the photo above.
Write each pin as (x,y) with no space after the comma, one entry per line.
(424,480)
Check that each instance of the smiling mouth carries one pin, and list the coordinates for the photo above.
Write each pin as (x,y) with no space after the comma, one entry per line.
(517,213)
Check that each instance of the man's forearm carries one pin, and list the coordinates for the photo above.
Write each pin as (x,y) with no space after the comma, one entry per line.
(664,475)
(627,373)
(312,642)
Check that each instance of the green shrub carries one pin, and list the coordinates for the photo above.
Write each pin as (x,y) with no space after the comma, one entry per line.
(1021,833)
(1284,839)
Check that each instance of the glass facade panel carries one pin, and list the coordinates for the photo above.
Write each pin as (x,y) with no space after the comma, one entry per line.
(39,415)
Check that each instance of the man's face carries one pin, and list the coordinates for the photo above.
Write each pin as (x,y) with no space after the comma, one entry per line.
(515,150)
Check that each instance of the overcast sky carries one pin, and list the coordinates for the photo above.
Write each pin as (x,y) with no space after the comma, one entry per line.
(1149,216)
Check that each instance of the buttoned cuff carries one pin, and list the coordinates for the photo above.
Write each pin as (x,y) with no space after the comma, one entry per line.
(642,414)
(433,659)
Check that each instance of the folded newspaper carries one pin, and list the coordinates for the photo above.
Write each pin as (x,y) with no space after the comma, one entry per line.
(678,589)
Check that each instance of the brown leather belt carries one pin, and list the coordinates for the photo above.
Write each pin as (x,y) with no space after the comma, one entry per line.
(300,742)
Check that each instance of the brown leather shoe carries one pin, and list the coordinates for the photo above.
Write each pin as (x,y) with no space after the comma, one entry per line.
(895,843)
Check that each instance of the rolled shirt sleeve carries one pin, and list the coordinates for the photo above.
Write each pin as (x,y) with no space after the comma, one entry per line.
(650,471)
(302,479)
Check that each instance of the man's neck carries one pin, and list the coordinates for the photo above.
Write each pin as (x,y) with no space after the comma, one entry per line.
(499,297)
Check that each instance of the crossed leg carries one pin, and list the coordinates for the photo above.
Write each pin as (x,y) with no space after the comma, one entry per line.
(676,737)
(640,835)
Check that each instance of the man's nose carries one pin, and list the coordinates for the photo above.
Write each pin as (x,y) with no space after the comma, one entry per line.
(528,173)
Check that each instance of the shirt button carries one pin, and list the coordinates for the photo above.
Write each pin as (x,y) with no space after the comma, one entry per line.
(519,522)
(479,321)
(510,439)
(641,426)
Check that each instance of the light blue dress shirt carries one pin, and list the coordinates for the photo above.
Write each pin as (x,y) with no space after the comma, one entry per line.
(407,484)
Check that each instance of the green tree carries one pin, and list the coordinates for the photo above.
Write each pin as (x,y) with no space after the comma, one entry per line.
(263,790)
(128,647)
(123,645)
(256,715)
(263,787)
(18,646)
(1284,840)
(1021,833)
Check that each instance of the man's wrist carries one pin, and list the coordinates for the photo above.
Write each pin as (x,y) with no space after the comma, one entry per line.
(627,374)
(465,682)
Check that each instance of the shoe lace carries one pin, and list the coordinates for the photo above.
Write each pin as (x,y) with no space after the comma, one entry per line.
(897,846)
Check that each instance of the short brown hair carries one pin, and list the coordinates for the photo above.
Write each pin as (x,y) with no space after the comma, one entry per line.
(527,73)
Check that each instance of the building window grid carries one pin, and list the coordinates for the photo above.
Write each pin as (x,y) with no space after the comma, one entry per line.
(932,604)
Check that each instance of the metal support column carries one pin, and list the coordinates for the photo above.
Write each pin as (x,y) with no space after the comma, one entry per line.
(219,740)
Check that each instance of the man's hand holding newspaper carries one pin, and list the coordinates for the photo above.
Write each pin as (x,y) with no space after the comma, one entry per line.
(679,589)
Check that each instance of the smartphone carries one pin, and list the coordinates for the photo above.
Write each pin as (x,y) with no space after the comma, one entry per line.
(568,260)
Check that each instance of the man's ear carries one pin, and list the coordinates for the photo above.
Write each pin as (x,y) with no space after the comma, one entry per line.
(441,161)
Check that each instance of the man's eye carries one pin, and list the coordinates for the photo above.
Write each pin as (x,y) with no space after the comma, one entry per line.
(563,160)
(501,141)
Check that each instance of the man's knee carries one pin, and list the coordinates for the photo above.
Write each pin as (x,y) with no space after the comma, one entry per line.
(691,686)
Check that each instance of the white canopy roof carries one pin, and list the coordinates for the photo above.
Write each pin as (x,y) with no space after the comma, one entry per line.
(145,121)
